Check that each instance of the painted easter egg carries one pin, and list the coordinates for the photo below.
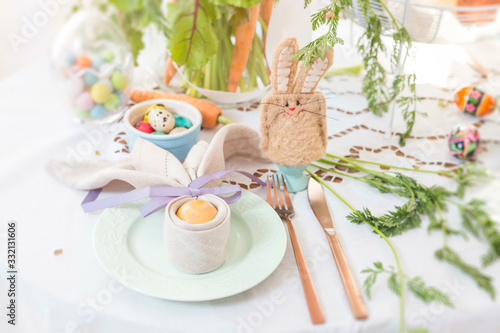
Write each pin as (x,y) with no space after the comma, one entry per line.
(177,130)
(100,93)
(158,133)
(83,61)
(161,120)
(84,101)
(98,111)
(152,107)
(144,127)
(197,211)
(118,80)
(464,141)
(474,101)
(113,103)
(90,78)
(74,86)
(107,56)
(181,121)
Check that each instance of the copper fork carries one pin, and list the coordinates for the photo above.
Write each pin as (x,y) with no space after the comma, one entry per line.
(285,212)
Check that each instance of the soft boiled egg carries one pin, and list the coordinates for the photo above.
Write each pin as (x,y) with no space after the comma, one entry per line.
(197,211)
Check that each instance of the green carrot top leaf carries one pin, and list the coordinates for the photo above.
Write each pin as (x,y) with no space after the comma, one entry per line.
(193,40)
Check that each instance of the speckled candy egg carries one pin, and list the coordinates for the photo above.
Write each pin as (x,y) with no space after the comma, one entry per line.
(181,121)
(464,141)
(161,120)
(144,127)
(474,101)
(177,130)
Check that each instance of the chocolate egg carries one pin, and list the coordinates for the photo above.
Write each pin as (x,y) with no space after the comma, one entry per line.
(474,101)
(161,120)
(464,141)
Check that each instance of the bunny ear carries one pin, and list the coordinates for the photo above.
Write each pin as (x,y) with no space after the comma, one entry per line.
(283,70)
(308,78)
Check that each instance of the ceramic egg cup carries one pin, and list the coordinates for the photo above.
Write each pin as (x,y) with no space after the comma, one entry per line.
(178,144)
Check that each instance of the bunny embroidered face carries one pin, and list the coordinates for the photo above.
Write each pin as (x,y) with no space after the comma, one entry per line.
(293,116)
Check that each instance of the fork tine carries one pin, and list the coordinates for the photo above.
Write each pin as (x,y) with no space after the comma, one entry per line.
(275,184)
(280,193)
(287,196)
(269,197)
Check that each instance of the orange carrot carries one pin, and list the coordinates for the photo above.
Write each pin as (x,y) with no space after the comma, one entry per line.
(242,44)
(170,71)
(210,113)
(266,8)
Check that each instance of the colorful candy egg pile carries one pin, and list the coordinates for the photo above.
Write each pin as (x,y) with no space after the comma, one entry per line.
(159,120)
(464,141)
(98,84)
(474,101)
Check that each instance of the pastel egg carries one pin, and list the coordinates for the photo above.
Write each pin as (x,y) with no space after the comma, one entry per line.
(181,121)
(177,130)
(113,103)
(84,101)
(144,127)
(158,133)
(197,211)
(97,111)
(82,114)
(83,61)
(474,101)
(90,78)
(100,93)
(118,80)
(97,62)
(108,56)
(161,120)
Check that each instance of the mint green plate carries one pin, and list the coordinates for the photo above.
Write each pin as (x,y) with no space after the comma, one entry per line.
(131,249)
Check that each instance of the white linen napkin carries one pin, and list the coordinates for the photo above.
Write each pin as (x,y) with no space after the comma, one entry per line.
(150,165)
(196,248)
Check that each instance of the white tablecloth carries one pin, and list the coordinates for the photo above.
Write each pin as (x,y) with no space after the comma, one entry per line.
(62,287)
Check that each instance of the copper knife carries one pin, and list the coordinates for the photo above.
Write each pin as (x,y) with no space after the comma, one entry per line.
(320,209)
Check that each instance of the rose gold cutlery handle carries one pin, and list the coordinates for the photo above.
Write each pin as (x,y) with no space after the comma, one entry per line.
(315,310)
(353,294)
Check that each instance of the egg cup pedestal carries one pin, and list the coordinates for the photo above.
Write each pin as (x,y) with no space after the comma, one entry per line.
(295,177)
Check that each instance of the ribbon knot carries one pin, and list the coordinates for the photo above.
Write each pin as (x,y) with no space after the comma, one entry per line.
(195,192)
(161,196)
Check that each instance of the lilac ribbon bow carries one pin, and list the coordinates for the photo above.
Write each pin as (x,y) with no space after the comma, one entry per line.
(161,196)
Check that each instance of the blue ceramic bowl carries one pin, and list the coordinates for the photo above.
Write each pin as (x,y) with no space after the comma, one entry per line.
(177,144)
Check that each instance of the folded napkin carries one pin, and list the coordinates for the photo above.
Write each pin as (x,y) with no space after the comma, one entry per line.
(150,165)
(196,248)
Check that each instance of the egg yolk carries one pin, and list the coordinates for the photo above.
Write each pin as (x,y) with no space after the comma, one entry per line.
(197,211)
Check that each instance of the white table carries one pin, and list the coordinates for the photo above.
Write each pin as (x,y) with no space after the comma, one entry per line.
(62,287)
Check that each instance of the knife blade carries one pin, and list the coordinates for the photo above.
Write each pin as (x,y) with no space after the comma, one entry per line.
(320,209)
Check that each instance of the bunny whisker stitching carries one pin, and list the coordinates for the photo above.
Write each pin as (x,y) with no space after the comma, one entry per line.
(319,114)
(272,104)
(276,116)
(316,100)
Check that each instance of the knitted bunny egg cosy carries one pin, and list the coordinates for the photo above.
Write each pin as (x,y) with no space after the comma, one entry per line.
(293,116)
